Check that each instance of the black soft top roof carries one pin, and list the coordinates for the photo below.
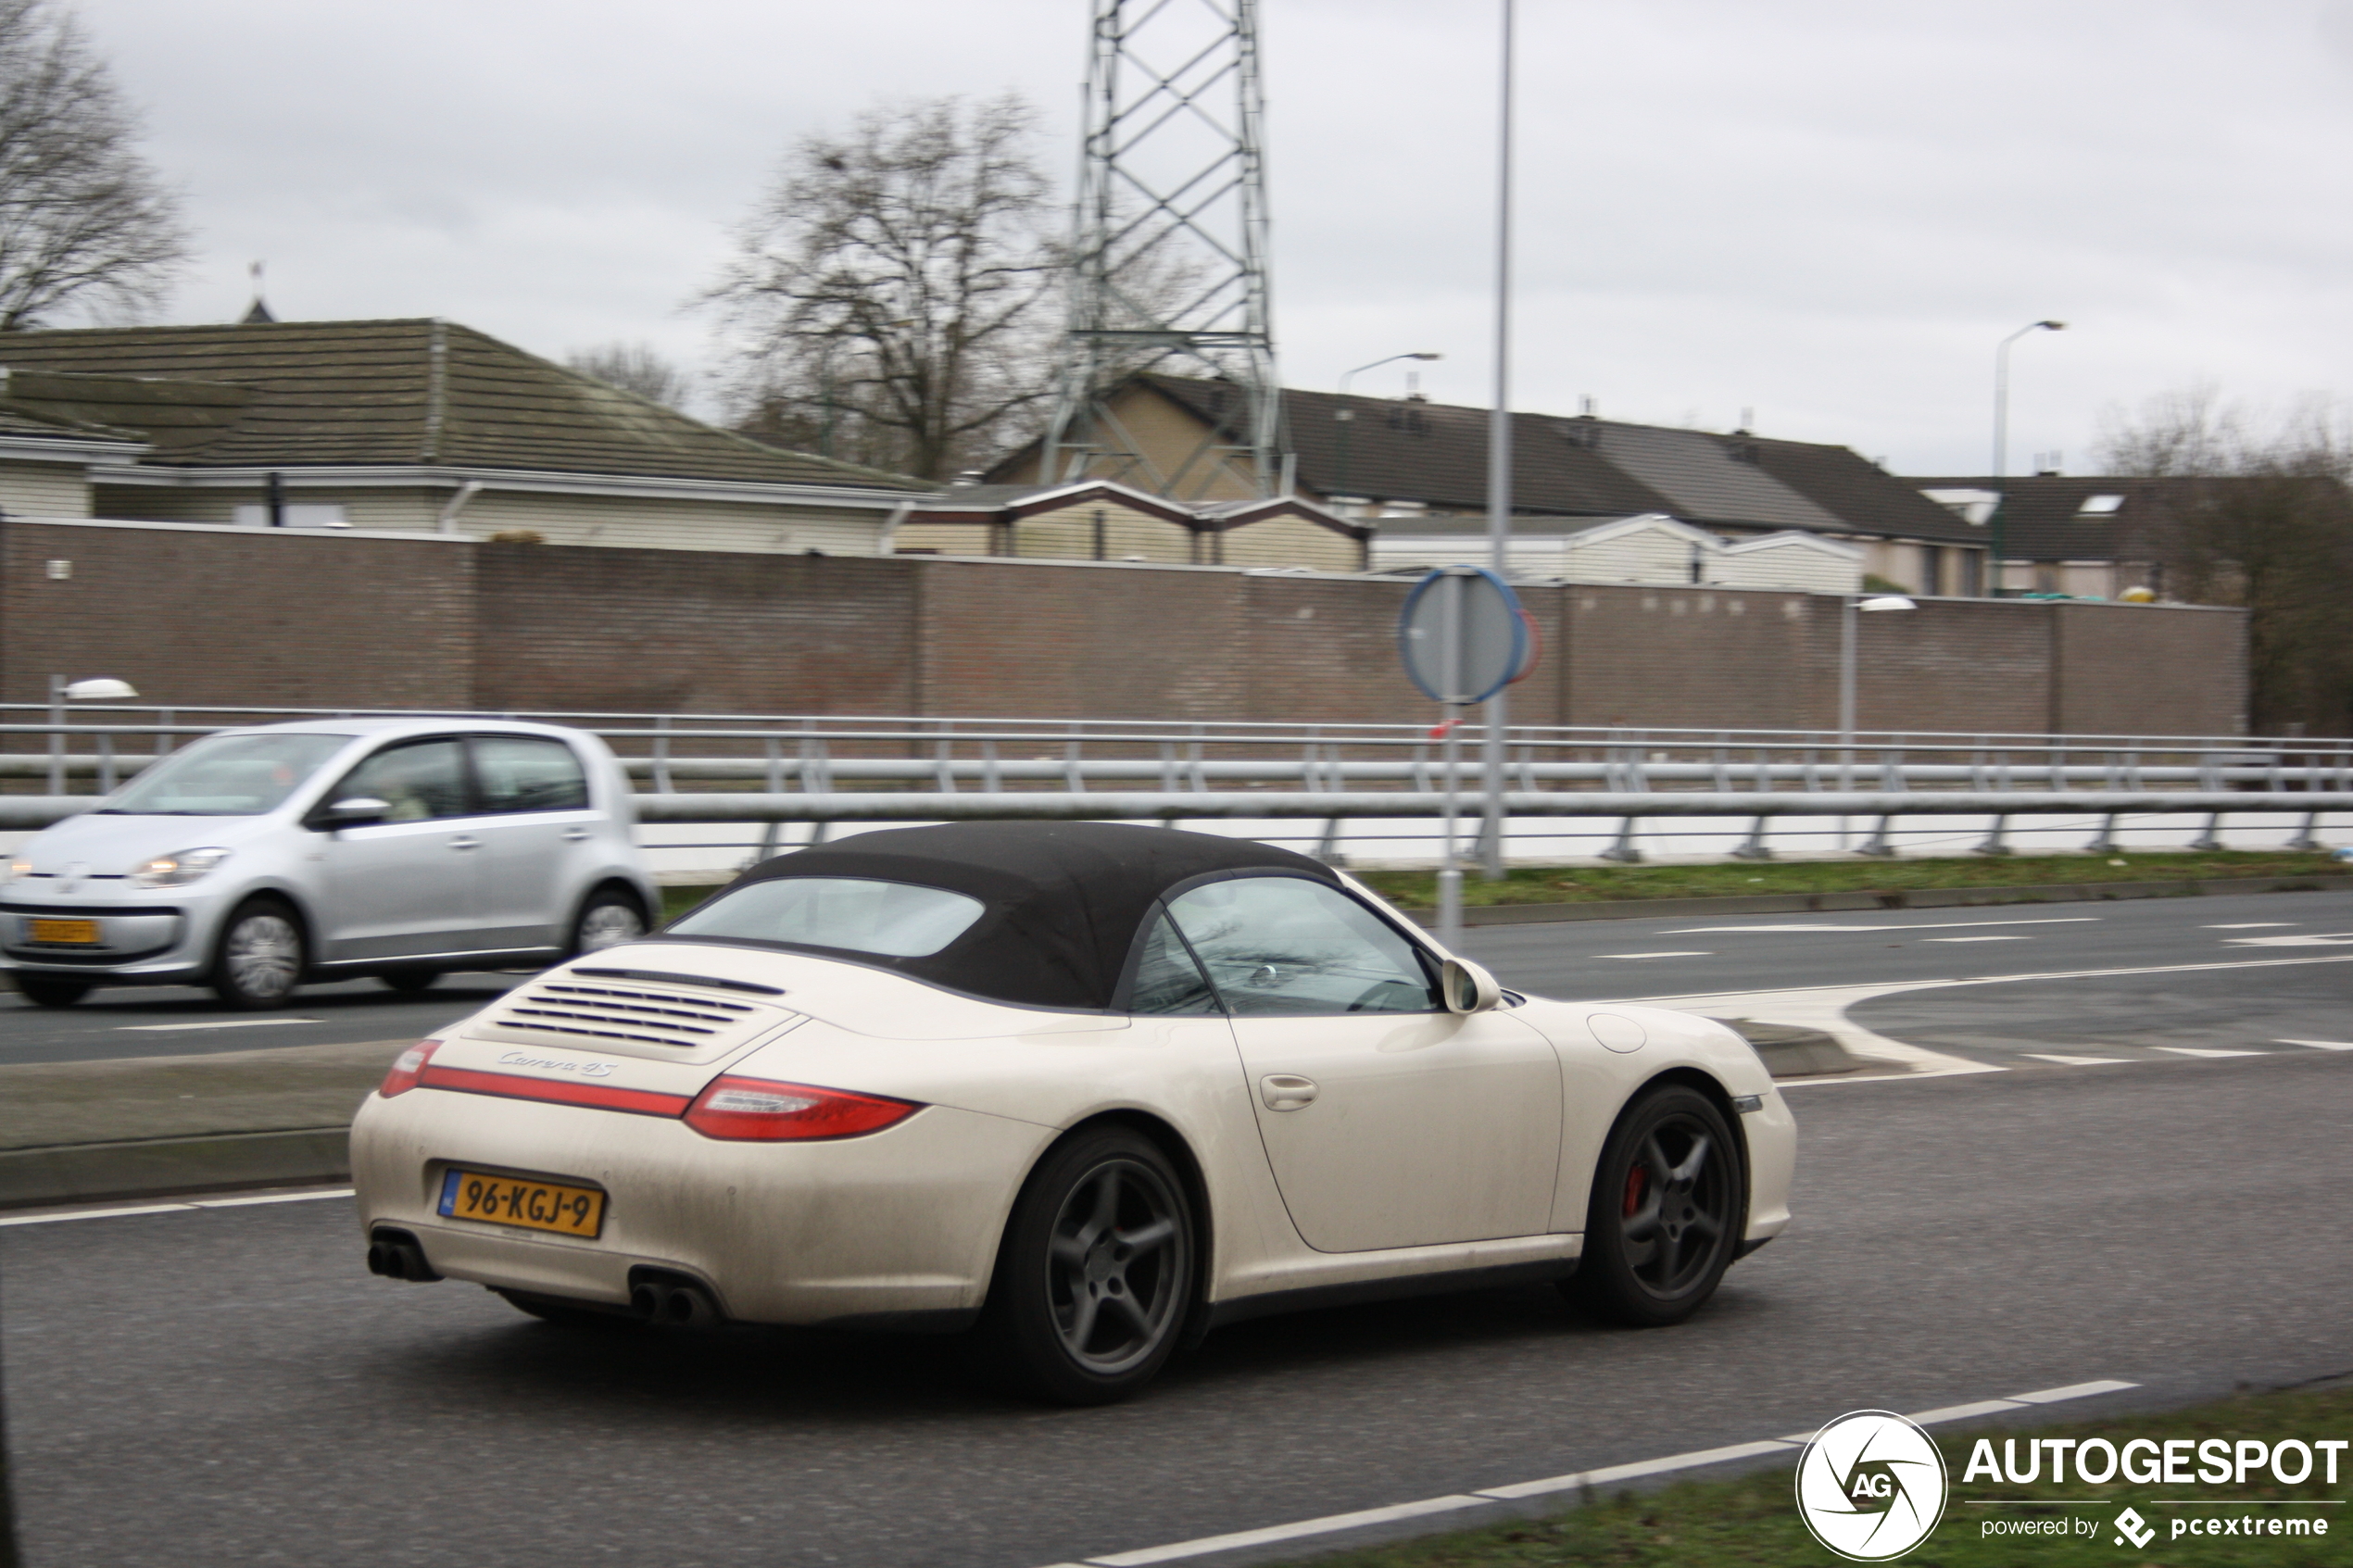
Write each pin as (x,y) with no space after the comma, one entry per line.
(1064,900)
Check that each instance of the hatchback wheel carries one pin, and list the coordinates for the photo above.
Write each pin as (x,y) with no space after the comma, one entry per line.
(1669,1199)
(609,919)
(260,959)
(49,990)
(1094,1275)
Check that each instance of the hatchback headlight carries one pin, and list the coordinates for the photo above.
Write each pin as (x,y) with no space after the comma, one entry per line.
(178,869)
(19,869)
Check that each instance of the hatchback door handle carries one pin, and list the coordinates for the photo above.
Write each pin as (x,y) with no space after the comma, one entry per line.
(574,835)
(1286,1091)
(465,841)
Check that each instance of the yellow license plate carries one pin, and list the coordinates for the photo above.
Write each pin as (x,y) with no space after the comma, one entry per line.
(519,1201)
(76,931)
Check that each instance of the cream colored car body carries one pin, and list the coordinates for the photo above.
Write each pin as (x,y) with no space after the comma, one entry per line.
(1505,1112)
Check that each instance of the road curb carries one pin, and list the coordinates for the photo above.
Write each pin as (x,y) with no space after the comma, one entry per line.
(154,1167)
(1902,899)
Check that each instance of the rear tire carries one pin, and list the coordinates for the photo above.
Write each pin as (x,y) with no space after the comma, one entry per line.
(1670,1197)
(261,956)
(1094,1276)
(50,991)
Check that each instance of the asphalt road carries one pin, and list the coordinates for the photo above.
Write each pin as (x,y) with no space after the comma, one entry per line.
(1573,959)
(228,1386)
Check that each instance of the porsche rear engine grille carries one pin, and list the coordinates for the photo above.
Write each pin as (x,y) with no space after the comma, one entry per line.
(622,1012)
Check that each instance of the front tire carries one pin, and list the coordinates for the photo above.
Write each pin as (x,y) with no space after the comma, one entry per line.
(261,956)
(1669,1199)
(49,990)
(1094,1275)
(609,919)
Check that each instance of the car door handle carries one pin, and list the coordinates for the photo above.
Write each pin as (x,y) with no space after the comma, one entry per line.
(465,841)
(576,835)
(1286,1091)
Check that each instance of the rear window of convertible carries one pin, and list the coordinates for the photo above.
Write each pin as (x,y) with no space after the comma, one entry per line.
(894,920)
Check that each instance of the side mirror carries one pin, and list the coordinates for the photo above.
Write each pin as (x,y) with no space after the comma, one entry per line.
(358,812)
(1468,987)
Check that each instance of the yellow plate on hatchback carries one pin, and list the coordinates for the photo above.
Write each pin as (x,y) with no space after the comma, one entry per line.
(81,933)
(522,1202)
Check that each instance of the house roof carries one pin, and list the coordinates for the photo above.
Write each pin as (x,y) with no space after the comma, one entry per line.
(2065,517)
(316,394)
(1584,467)
(1009,503)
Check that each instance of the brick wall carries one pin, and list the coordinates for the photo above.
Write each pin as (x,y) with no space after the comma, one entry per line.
(2123,670)
(570,628)
(194,616)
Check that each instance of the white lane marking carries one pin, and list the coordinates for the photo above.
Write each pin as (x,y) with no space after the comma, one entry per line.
(2253,925)
(2301,940)
(1699,1459)
(2319,1045)
(1654,954)
(1824,1008)
(1977,939)
(1916,925)
(1631,1471)
(2078,1061)
(2194,1051)
(223,1024)
(1208,1544)
(188,1207)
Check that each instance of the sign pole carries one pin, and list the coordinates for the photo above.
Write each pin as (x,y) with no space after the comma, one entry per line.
(1450,874)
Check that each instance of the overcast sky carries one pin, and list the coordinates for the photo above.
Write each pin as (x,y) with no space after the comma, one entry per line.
(1829,213)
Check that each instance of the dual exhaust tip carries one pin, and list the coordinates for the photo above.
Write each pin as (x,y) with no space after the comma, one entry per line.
(656,1296)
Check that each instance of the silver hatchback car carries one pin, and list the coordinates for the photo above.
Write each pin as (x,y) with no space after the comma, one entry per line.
(259,858)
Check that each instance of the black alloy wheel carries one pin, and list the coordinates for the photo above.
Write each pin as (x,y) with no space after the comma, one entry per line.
(261,956)
(49,990)
(1095,1273)
(1669,1200)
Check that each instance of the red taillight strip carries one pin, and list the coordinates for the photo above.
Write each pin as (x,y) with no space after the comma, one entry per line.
(510,1086)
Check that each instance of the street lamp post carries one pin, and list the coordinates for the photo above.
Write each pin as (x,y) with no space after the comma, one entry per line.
(1346,416)
(1499,442)
(2002,445)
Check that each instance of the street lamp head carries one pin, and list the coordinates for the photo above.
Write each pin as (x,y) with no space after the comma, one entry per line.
(100,689)
(1425,356)
(1887,601)
(2052,326)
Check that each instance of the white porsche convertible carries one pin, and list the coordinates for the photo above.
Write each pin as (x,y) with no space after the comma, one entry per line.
(1080,1092)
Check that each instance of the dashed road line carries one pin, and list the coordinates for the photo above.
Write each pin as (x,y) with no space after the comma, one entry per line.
(2079,1061)
(1977,939)
(1911,925)
(2202,1050)
(1335,1524)
(220,1024)
(1654,954)
(2319,1045)
(183,1207)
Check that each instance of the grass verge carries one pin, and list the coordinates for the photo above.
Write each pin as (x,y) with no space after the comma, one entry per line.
(1581,884)
(1752,1521)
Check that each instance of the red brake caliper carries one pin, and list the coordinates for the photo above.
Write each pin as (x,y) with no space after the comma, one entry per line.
(1633,1190)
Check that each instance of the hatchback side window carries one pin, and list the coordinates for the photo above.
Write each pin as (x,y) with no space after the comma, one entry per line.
(419,780)
(1282,945)
(1167,980)
(529,773)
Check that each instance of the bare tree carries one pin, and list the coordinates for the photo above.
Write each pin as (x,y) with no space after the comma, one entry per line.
(2262,519)
(893,294)
(636,366)
(84,221)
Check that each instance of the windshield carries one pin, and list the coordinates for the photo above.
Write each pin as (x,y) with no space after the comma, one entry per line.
(893,919)
(226,776)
